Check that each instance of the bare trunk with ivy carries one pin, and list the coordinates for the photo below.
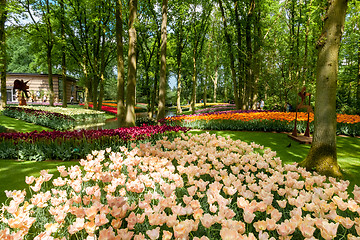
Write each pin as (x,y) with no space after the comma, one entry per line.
(322,156)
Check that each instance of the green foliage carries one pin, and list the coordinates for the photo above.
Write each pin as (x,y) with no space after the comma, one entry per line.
(281,47)
(2,129)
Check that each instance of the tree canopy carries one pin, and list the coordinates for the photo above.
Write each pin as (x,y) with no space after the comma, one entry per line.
(223,50)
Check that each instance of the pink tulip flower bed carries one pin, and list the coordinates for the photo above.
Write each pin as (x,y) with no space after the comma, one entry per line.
(194,187)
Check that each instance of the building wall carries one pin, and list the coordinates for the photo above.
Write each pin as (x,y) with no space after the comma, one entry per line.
(38,83)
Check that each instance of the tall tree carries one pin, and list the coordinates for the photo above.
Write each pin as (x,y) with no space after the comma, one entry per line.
(163,82)
(49,47)
(358,77)
(181,36)
(231,56)
(249,55)
(240,55)
(322,155)
(200,27)
(63,54)
(45,35)
(3,16)
(149,36)
(120,63)
(131,82)
(358,65)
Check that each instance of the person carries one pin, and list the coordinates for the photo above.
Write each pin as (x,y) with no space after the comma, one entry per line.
(71,100)
(262,103)
(288,107)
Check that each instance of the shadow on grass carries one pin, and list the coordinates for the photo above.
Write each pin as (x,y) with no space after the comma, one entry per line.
(13,173)
(19,125)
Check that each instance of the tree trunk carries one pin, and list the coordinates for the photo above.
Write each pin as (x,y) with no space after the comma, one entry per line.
(131,84)
(49,55)
(194,78)
(232,59)
(3,16)
(63,56)
(306,65)
(207,70)
(102,71)
(50,77)
(49,45)
(86,85)
(256,63)
(241,57)
(156,80)
(120,97)
(95,84)
(179,65)
(101,91)
(322,156)
(215,81)
(205,89)
(162,85)
(358,77)
(178,91)
(249,56)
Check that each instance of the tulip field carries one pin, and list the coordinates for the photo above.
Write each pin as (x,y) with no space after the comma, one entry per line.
(166,182)
(259,120)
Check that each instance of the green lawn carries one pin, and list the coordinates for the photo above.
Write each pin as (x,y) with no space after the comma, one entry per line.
(12,173)
(19,125)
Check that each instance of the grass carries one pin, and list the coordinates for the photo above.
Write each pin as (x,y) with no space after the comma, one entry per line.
(20,125)
(12,173)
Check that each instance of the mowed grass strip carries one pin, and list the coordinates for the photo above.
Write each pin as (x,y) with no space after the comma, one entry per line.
(20,125)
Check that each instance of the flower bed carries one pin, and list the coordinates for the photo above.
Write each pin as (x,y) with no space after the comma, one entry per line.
(216,108)
(198,187)
(66,145)
(79,114)
(48,119)
(261,121)
(53,117)
(112,107)
(29,103)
